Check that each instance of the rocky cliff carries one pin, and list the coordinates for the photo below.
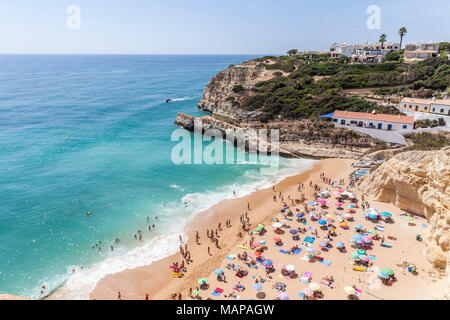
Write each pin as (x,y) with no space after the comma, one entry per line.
(297,139)
(229,87)
(418,182)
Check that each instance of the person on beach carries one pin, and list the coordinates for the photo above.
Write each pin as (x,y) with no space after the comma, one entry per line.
(119,296)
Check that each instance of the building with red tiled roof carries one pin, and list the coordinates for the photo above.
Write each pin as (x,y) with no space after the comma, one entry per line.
(373,120)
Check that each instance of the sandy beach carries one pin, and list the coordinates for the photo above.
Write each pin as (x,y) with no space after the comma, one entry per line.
(157,282)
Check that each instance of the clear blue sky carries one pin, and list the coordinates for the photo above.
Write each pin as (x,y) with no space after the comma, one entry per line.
(211,26)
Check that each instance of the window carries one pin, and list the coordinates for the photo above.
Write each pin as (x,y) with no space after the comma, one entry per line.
(342,121)
(425,108)
(442,110)
(335,120)
(434,109)
(405,126)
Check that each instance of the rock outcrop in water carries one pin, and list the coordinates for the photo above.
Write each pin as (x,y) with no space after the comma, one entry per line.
(418,182)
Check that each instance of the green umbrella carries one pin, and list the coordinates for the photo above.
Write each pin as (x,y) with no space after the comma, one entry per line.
(388,271)
(410,219)
(355,255)
(201,281)
(361,252)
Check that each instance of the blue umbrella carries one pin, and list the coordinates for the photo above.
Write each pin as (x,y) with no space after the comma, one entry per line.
(218,271)
(357,237)
(322,222)
(257,287)
(386,214)
(322,244)
(358,226)
(300,215)
(267,263)
(383,275)
(373,216)
(293,231)
(340,244)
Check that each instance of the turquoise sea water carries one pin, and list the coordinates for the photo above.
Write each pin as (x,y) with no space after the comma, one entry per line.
(117,152)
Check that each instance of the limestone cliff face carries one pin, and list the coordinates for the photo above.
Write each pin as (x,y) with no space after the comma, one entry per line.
(222,96)
(418,182)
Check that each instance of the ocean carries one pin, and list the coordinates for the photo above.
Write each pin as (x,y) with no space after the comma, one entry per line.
(92,133)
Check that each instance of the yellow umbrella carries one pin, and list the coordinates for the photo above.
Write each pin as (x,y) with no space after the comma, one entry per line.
(349,290)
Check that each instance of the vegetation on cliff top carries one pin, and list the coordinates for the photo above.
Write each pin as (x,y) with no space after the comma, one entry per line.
(314,82)
(428,141)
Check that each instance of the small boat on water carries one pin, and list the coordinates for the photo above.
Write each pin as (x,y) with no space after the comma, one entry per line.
(169,100)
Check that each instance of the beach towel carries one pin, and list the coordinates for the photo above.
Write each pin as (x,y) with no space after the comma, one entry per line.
(300,295)
(326,262)
(215,293)
(244,247)
(297,251)
(309,239)
(231,257)
(283,251)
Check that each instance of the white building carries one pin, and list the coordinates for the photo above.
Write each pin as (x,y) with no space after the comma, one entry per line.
(375,121)
(440,107)
(420,52)
(369,55)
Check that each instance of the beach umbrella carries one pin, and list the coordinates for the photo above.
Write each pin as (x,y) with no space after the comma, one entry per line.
(386,214)
(373,215)
(388,271)
(284,296)
(308,292)
(344,224)
(307,274)
(361,252)
(355,255)
(290,267)
(351,206)
(257,286)
(348,216)
(277,239)
(383,275)
(300,215)
(201,281)
(340,244)
(218,271)
(364,257)
(260,295)
(293,231)
(314,286)
(267,263)
(374,232)
(367,239)
(349,290)
(358,226)
(339,204)
(261,226)
(322,244)
(322,201)
(277,225)
(357,237)
(322,222)
(309,249)
(285,221)
(410,219)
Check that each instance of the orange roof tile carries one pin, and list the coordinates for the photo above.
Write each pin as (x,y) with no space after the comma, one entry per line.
(371,116)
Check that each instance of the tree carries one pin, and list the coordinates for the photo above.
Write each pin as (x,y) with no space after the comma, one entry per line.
(402,33)
(382,40)
(392,56)
(292,52)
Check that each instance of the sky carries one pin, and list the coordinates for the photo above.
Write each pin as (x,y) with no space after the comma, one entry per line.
(211,26)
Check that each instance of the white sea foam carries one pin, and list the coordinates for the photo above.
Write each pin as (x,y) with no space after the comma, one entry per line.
(81,283)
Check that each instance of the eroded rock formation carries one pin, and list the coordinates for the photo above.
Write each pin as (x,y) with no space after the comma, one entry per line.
(418,182)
